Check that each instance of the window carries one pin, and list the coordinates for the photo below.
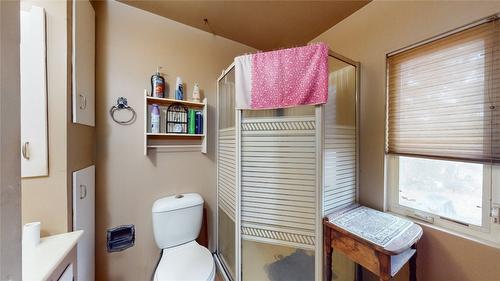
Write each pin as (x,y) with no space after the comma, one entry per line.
(450,189)
(443,130)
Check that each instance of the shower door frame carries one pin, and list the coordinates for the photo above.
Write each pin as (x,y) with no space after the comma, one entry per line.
(237,224)
(320,139)
(319,119)
(319,248)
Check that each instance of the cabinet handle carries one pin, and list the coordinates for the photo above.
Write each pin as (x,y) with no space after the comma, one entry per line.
(83,191)
(83,104)
(26,150)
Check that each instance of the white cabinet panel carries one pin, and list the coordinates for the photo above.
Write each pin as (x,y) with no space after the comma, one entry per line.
(83,63)
(34,151)
(84,219)
(67,274)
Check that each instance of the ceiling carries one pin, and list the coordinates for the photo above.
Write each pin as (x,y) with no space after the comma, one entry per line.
(264,25)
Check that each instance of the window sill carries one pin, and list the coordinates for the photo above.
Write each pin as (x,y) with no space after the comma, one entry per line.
(455,233)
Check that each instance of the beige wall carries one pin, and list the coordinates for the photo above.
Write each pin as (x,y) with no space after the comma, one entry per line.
(45,198)
(367,36)
(130,44)
(10,161)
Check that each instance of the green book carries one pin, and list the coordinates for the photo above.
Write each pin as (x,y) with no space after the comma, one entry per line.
(191,121)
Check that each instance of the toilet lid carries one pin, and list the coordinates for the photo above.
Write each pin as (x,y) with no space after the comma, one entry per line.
(188,262)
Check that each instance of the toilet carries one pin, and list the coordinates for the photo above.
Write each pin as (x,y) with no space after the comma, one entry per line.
(176,224)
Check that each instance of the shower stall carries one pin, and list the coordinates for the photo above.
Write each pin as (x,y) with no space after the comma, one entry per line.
(278,173)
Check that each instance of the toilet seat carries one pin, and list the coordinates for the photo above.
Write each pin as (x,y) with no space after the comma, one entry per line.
(187,262)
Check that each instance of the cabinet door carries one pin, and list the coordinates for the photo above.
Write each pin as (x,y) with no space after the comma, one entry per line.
(84,219)
(83,63)
(67,274)
(34,151)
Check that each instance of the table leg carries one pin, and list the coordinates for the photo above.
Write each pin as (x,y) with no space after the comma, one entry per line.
(413,265)
(384,266)
(327,251)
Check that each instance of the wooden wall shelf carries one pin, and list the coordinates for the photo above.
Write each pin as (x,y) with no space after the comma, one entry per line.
(168,142)
(173,135)
(162,101)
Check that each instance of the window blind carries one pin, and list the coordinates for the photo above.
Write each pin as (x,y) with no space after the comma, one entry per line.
(443,97)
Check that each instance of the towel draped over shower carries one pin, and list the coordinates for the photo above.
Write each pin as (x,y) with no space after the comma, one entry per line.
(282,78)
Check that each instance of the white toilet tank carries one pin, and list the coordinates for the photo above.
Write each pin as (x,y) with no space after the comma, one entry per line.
(177,219)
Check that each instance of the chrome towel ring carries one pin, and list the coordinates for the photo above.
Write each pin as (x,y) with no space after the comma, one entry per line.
(122,104)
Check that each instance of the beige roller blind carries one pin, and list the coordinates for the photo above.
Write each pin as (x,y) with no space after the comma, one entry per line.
(444,97)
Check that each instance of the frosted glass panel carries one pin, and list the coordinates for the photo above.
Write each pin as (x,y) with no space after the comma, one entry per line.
(226,249)
(227,101)
(267,262)
(278,194)
(339,153)
(226,185)
(340,137)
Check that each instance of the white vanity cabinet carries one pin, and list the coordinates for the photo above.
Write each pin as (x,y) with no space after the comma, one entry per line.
(83,63)
(53,259)
(68,274)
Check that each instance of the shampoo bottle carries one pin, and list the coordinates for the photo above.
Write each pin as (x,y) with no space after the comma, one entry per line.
(155,119)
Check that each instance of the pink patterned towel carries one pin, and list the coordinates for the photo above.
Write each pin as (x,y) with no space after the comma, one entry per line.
(283,78)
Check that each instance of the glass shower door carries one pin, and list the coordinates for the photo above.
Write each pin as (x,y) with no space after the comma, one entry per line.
(340,150)
(283,192)
(278,194)
(226,178)
(279,172)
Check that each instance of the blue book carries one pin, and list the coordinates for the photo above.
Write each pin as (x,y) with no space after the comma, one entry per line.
(198,122)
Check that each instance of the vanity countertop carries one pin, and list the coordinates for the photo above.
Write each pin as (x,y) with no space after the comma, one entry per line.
(46,256)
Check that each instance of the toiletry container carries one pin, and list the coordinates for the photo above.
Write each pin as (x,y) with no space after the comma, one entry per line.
(155,119)
(179,91)
(157,84)
(196,93)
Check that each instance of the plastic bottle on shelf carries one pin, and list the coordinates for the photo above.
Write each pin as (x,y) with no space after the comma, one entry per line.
(155,119)
(158,84)
(196,93)
(179,91)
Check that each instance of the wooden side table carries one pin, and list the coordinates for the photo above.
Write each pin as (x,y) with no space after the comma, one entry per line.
(380,242)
